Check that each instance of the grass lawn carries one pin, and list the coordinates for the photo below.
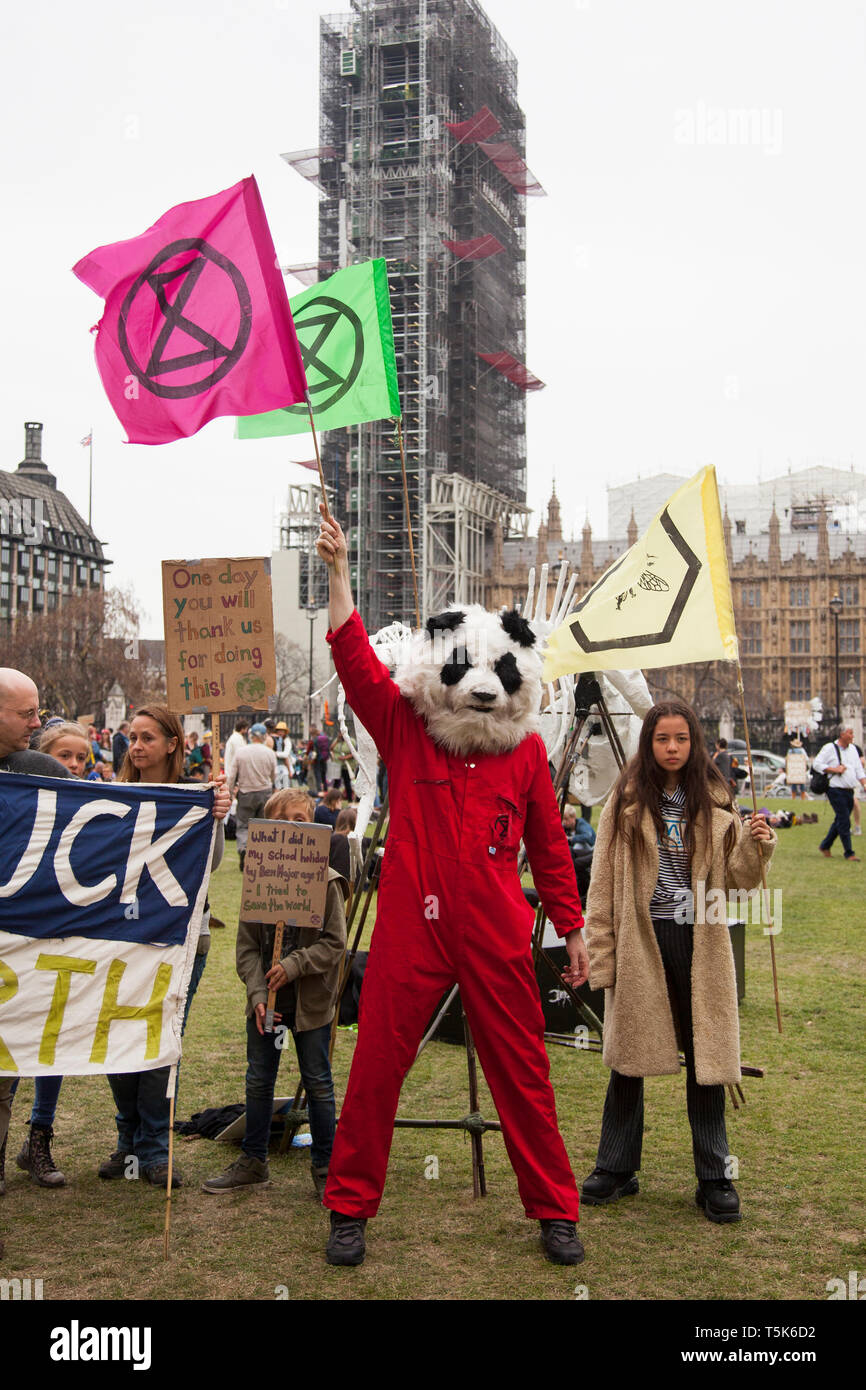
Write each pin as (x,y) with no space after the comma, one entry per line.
(798,1141)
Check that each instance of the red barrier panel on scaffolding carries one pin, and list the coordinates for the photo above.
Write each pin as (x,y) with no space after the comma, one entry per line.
(516,372)
(512,167)
(478,127)
(476,250)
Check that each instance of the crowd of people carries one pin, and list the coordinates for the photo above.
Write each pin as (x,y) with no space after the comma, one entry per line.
(260,766)
(669,791)
(260,759)
(153,750)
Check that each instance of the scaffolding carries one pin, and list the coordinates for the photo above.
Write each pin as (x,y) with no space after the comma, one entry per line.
(299,528)
(398,185)
(458,521)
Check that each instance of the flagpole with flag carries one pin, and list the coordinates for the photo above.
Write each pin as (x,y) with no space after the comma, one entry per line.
(197,321)
(347,342)
(87,443)
(666,602)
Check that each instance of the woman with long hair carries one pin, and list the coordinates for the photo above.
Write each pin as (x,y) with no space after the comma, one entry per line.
(155,755)
(670,847)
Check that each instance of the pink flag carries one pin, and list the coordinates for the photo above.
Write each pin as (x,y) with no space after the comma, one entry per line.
(197,321)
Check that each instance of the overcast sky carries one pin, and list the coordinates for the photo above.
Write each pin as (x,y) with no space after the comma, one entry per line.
(696,282)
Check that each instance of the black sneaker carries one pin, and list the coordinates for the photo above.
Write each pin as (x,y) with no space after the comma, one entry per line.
(719,1200)
(602,1187)
(561,1245)
(115,1165)
(346,1245)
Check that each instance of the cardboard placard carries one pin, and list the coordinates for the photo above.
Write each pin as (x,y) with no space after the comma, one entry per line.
(219,634)
(796,767)
(286,873)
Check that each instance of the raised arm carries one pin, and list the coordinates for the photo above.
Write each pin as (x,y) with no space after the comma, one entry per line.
(371,693)
(331,546)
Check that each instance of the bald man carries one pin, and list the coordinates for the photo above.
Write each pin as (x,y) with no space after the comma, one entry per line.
(19,718)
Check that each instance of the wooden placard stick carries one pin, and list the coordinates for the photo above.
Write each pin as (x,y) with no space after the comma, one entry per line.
(275,960)
(215,760)
(166,1233)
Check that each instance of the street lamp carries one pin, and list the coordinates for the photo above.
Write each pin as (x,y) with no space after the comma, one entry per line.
(836,606)
(312,614)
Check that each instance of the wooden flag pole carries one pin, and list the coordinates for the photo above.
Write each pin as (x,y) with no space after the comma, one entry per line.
(408,520)
(765,894)
(328,516)
(90,483)
(318,457)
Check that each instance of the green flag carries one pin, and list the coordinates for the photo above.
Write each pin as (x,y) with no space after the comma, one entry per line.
(347,345)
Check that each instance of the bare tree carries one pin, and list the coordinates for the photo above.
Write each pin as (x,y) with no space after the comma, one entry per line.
(76,653)
(293,671)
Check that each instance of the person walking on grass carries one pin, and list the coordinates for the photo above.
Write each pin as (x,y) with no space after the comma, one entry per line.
(842,764)
(659,946)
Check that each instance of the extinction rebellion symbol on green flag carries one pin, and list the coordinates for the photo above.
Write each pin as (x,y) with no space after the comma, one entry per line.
(347,347)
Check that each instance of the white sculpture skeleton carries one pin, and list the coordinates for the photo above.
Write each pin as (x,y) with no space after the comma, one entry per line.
(625,692)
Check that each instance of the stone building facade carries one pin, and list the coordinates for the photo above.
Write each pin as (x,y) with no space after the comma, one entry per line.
(48,553)
(782,583)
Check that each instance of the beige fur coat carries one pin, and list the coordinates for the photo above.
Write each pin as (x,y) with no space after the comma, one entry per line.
(624,958)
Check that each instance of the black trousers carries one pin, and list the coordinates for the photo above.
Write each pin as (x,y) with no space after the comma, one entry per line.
(619,1149)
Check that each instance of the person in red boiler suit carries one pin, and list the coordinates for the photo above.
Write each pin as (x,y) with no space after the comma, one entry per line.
(468,780)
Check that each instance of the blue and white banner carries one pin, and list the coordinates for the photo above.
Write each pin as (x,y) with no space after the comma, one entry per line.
(102,888)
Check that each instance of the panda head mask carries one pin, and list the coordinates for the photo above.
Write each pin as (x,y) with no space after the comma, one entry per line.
(474,678)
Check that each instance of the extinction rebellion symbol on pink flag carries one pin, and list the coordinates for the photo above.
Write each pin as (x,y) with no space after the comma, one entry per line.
(197,321)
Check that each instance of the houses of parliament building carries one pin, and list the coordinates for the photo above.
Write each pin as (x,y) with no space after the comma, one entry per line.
(796,549)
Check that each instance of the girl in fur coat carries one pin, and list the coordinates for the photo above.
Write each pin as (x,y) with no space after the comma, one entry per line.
(670,847)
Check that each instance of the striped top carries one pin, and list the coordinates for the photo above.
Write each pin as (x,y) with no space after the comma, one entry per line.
(675,873)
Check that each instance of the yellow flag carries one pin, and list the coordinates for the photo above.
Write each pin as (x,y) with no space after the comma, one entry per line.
(665,602)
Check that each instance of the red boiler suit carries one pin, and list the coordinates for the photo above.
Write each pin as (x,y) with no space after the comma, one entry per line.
(450,908)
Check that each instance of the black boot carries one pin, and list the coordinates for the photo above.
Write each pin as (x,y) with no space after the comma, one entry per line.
(346,1245)
(561,1245)
(35,1157)
(602,1187)
(242,854)
(719,1199)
